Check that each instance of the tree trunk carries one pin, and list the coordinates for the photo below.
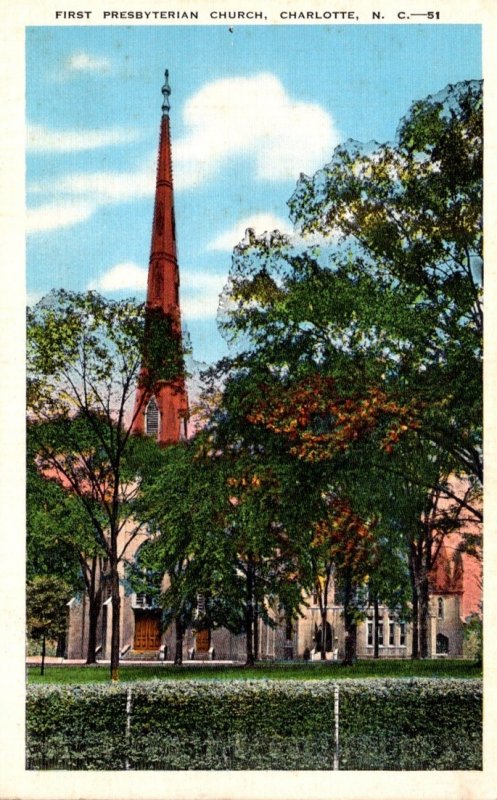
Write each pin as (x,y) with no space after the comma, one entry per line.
(43,651)
(94,601)
(350,626)
(324,620)
(178,652)
(93,615)
(116,613)
(61,645)
(423,616)
(323,608)
(256,632)
(415,603)
(376,626)
(249,614)
(350,640)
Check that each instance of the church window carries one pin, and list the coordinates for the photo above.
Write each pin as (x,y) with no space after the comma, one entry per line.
(391,634)
(440,608)
(442,644)
(402,636)
(370,633)
(152,418)
(144,600)
(380,634)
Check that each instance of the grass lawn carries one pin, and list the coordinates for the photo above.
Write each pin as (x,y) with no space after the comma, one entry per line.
(408,668)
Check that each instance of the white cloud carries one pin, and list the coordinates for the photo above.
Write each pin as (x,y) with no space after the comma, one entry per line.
(200,294)
(104,186)
(234,117)
(126,275)
(200,307)
(252,117)
(109,187)
(43,140)
(79,195)
(259,222)
(85,62)
(52,216)
(199,290)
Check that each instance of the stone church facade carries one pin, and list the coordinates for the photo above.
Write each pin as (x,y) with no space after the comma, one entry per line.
(142,637)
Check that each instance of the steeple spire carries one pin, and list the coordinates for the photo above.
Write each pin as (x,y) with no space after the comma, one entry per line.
(166,91)
(161,409)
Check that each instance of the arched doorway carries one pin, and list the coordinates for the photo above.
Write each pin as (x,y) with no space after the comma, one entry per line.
(202,641)
(442,644)
(147,630)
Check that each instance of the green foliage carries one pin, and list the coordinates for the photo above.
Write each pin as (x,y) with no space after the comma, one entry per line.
(413,725)
(162,352)
(81,727)
(46,600)
(380,292)
(473,638)
(83,351)
(258,725)
(84,357)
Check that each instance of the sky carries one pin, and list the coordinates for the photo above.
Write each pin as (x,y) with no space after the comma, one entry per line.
(251,108)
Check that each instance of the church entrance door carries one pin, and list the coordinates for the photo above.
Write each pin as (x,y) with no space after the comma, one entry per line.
(203,641)
(147,630)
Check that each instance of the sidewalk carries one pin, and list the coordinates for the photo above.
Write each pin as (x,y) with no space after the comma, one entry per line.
(52,661)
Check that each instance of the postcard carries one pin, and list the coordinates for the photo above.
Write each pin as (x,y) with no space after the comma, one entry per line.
(250,241)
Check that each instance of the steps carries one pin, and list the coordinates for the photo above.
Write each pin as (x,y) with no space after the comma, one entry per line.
(141,655)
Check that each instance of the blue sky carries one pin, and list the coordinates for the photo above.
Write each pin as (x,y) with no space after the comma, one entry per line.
(250,110)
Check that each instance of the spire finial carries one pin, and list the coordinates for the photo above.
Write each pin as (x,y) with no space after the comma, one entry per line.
(166,91)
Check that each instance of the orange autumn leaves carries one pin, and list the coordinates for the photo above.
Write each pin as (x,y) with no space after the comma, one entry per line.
(320,424)
(347,539)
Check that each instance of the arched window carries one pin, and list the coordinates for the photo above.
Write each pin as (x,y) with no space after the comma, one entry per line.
(442,644)
(440,608)
(152,419)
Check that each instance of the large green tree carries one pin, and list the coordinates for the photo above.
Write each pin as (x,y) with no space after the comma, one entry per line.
(219,536)
(61,543)
(368,323)
(84,357)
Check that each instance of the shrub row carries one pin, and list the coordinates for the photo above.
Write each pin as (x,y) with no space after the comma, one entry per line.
(384,724)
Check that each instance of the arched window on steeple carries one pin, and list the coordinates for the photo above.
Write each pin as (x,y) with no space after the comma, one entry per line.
(440,608)
(152,419)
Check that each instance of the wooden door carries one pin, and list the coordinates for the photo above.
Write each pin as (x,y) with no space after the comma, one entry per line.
(203,641)
(147,632)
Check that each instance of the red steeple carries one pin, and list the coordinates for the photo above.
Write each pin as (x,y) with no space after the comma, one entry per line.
(161,409)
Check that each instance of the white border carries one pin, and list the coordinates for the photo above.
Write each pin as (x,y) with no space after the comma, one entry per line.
(15,782)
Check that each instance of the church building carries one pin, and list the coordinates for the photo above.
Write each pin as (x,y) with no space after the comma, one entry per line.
(162,412)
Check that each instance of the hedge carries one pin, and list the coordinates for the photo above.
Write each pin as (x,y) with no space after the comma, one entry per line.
(417,724)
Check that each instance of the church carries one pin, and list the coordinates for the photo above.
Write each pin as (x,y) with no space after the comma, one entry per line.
(455,589)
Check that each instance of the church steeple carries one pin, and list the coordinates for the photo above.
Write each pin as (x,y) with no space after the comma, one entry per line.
(161,408)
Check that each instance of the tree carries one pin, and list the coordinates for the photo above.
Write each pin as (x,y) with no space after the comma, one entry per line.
(383,279)
(46,612)
(84,357)
(342,548)
(184,508)
(365,326)
(408,217)
(60,544)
